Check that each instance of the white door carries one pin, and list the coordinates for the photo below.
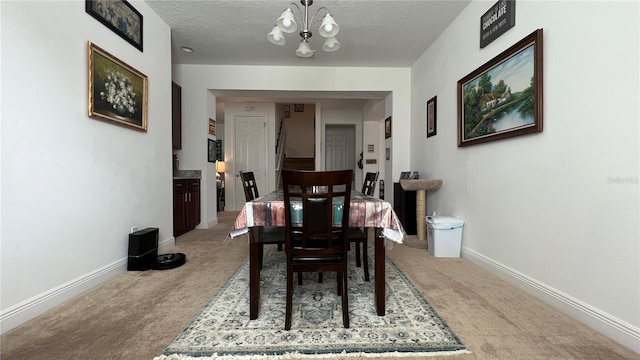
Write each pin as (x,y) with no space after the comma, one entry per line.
(250,153)
(339,148)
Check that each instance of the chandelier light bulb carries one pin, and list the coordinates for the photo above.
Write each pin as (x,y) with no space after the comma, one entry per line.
(304,50)
(276,36)
(287,22)
(331,44)
(328,27)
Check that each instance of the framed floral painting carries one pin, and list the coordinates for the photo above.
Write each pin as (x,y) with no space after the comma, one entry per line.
(119,16)
(117,92)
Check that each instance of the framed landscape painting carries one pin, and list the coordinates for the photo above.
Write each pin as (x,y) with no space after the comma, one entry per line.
(503,98)
(117,92)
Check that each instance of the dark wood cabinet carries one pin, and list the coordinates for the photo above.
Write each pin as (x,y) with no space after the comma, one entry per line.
(176,115)
(404,204)
(186,205)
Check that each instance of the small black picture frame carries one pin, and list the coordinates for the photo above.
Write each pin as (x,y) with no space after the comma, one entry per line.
(119,16)
(211,150)
(387,127)
(432,116)
(298,107)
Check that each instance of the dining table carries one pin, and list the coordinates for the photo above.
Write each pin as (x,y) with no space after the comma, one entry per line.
(364,212)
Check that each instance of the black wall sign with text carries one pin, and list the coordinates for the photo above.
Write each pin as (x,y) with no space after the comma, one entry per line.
(497,20)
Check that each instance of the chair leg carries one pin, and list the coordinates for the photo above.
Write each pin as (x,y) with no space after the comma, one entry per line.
(339,282)
(289,302)
(260,255)
(320,277)
(279,247)
(365,258)
(299,278)
(358,253)
(345,300)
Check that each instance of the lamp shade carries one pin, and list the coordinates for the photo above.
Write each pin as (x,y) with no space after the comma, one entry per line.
(331,44)
(276,36)
(287,22)
(304,50)
(220,167)
(328,28)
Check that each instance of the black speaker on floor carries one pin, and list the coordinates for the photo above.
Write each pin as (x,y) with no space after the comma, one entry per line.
(143,249)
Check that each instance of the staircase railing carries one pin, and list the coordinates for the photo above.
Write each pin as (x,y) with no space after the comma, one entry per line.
(280,155)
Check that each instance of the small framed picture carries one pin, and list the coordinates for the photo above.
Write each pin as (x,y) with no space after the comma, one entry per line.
(387,128)
(432,116)
(211,150)
(298,107)
(388,153)
(212,127)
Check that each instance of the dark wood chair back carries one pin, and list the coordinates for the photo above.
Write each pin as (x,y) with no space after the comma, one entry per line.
(249,185)
(370,181)
(317,227)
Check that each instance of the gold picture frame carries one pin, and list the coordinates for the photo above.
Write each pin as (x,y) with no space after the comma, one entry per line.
(118,93)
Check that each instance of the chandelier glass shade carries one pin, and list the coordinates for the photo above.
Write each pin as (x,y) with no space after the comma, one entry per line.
(288,23)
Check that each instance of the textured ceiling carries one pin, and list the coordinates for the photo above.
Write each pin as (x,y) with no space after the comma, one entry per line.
(375,33)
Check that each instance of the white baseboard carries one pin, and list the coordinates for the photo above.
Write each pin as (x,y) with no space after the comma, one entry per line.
(165,246)
(209,223)
(37,305)
(618,330)
(29,309)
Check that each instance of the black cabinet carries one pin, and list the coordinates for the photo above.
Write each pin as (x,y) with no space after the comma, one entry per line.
(186,205)
(404,204)
(176,116)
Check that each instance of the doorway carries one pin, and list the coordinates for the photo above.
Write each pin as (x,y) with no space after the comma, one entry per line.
(250,153)
(339,148)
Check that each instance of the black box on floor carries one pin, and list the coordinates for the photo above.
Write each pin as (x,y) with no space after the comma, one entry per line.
(143,249)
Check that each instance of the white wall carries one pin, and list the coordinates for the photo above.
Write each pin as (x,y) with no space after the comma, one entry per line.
(197,80)
(299,128)
(72,187)
(373,133)
(555,212)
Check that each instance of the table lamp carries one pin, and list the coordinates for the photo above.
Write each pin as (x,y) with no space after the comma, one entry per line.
(220,168)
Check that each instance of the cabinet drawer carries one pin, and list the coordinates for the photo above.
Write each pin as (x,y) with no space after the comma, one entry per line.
(193,185)
(179,186)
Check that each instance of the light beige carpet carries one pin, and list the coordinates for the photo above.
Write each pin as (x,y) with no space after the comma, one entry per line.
(136,315)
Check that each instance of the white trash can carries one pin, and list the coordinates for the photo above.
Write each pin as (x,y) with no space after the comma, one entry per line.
(444,236)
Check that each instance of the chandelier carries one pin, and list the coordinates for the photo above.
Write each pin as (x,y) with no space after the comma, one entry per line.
(288,22)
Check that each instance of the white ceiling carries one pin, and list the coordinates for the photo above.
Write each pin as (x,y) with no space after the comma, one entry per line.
(373,33)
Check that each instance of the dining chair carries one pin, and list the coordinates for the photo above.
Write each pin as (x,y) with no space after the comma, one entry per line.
(358,236)
(268,234)
(316,207)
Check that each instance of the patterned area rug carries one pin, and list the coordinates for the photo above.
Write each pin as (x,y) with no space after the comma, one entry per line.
(411,326)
